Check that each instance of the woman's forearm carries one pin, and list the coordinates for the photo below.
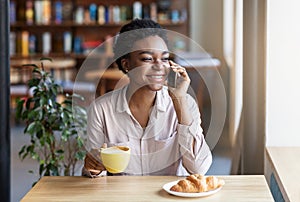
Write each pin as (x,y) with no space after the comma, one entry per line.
(182,110)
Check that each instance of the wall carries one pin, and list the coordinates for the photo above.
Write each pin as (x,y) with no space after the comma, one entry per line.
(233,52)
(283,72)
(206,25)
(206,28)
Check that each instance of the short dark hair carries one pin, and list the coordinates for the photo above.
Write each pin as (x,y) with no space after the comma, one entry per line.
(124,42)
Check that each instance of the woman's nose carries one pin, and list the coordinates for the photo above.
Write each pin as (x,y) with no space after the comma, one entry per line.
(158,64)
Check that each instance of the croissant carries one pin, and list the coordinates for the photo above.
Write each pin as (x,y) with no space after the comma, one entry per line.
(197,183)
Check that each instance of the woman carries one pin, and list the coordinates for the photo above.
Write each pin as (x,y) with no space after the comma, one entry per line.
(160,124)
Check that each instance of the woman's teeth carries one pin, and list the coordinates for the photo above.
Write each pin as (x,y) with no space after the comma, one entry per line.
(156,77)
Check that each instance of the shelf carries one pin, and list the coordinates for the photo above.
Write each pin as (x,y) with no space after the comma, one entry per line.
(72,24)
(71,37)
(61,55)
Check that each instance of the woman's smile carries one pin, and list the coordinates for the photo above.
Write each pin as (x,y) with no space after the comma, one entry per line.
(156,78)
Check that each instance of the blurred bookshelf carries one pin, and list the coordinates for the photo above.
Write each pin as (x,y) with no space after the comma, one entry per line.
(71,29)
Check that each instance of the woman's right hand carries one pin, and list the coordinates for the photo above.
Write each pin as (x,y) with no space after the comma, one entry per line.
(93,164)
(92,161)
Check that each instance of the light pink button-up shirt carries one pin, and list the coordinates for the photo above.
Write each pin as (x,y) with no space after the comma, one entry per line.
(164,147)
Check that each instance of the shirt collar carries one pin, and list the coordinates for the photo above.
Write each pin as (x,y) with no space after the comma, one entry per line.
(122,104)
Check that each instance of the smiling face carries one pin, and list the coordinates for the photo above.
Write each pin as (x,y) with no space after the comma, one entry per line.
(148,64)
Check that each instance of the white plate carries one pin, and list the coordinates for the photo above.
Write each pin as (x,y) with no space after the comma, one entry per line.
(168,186)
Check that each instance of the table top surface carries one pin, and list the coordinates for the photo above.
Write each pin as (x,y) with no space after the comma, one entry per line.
(142,188)
(287,166)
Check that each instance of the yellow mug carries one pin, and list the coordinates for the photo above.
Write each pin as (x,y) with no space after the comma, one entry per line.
(115,159)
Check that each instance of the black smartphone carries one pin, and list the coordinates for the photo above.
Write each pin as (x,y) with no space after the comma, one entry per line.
(172,78)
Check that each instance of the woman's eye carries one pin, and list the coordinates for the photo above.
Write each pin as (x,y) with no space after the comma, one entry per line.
(147,59)
(165,59)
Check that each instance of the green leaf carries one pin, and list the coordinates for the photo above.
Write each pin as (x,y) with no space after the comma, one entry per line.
(28,102)
(35,156)
(41,169)
(65,116)
(43,101)
(19,108)
(30,149)
(36,70)
(79,142)
(33,82)
(22,151)
(80,155)
(67,101)
(24,155)
(45,58)
(60,151)
(39,134)
(30,65)
(31,127)
(65,135)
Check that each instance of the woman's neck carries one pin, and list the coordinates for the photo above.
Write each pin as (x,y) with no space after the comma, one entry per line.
(142,97)
(140,102)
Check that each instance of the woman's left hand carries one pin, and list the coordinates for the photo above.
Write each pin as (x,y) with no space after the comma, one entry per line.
(182,83)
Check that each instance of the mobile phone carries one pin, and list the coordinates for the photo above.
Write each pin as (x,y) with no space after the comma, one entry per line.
(172,78)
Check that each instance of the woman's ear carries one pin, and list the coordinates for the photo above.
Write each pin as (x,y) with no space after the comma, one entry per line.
(125,64)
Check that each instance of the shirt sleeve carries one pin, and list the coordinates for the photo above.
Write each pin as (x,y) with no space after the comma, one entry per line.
(195,159)
(95,127)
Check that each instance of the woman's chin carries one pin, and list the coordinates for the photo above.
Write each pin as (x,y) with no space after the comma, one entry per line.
(155,87)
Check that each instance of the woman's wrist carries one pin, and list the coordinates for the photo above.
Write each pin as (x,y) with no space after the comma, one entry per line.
(177,97)
(181,107)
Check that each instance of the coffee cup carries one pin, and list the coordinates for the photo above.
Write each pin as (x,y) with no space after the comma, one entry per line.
(115,159)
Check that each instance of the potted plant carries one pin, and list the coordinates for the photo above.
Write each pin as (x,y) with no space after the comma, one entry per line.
(54,127)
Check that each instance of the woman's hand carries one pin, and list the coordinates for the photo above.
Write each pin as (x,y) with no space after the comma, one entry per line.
(178,94)
(92,161)
(182,83)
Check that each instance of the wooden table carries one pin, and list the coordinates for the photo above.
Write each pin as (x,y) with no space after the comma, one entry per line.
(142,188)
(284,163)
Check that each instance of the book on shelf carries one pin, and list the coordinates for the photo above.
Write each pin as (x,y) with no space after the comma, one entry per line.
(58,12)
(123,13)
(153,11)
(87,17)
(32,44)
(175,16)
(58,43)
(146,12)
(25,44)
(137,10)
(79,15)
(110,14)
(46,42)
(46,12)
(12,43)
(67,11)
(29,12)
(116,14)
(93,13)
(12,12)
(38,12)
(77,45)
(67,42)
(101,14)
